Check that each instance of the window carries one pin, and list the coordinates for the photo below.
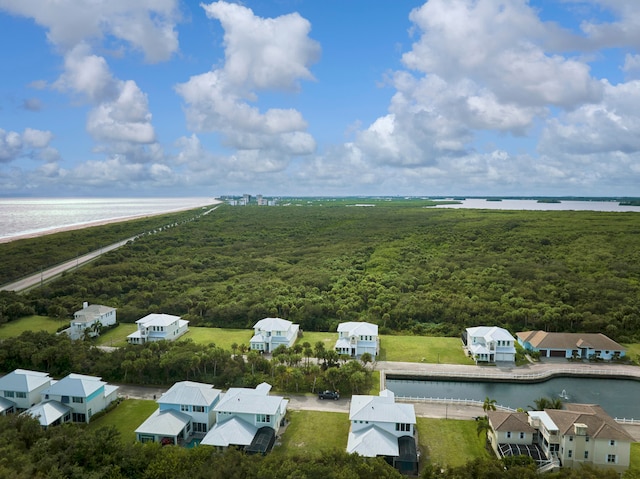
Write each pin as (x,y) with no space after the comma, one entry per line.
(9,394)
(569,453)
(611,458)
(586,439)
(522,435)
(263,418)
(508,434)
(400,426)
(570,438)
(90,413)
(199,427)
(184,407)
(586,454)
(77,399)
(64,399)
(198,408)
(21,395)
(612,442)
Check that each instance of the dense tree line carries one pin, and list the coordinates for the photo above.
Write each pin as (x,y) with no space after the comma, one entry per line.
(300,369)
(411,269)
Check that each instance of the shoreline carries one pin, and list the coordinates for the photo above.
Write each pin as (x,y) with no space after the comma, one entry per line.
(102,222)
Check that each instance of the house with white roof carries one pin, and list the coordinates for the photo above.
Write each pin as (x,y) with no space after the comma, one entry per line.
(158,327)
(357,338)
(574,436)
(248,418)
(382,427)
(21,389)
(89,320)
(269,333)
(50,413)
(84,395)
(186,409)
(490,344)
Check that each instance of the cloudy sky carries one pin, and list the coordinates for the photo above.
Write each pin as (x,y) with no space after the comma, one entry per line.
(308,97)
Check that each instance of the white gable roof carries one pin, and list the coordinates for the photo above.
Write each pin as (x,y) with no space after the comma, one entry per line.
(381,408)
(5,404)
(23,380)
(188,392)
(155,319)
(76,385)
(490,332)
(233,431)
(48,412)
(165,423)
(372,442)
(358,328)
(273,324)
(251,401)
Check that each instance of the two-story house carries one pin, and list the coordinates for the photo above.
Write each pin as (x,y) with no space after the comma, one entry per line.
(382,427)
(83,395)
(248,418)
(357,338)
(579,434)
(269,333)
(490,344)
(186,409)
(89,320)
(21,389)
(158,327)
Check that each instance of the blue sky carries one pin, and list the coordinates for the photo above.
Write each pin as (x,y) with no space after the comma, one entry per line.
(307,97)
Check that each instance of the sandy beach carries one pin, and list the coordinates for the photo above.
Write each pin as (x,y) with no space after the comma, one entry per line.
(103,222)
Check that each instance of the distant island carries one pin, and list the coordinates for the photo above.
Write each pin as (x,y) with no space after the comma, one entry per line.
(630,203)
(549,200)
(494,199)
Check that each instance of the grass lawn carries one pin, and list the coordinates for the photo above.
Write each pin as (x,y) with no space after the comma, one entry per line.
(31,323)
(449,442)
(223,338)
(127,417)
(634,463)
(424,349)
(328,339)
(312,432)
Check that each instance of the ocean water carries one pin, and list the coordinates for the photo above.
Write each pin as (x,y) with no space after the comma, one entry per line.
(533,205)
(21,217)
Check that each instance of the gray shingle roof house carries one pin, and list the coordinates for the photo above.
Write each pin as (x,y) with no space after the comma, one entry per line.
(567,345)
(89,319)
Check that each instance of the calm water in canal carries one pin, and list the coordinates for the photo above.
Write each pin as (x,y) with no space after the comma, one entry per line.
(619,397)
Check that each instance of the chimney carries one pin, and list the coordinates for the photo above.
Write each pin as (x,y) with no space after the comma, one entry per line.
(85,305)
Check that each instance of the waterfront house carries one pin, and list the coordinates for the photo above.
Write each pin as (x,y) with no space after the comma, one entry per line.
(570,437)
(269,333)
(489,344)
(90,319)
(21,389)
(571,345)
(186,409)
(158,327)
(84,395)
(357,338)
(247,418)
(382,427)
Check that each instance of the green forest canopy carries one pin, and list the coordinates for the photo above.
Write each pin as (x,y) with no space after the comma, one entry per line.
(401,265)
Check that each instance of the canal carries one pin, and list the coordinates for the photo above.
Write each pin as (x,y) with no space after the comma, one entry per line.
(619,397)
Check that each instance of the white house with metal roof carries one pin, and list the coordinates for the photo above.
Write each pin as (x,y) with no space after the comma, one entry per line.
(269,333)
(356,338)
(382,427)
(85,395)
(490,344)
(158,327)
(21,389)
(50,413)
(249,418)
(187,408)
(89,319)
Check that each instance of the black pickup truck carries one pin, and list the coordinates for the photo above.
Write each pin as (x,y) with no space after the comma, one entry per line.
(329,395)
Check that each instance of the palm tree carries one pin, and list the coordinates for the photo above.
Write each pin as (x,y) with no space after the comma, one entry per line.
(482,425)
(489,404)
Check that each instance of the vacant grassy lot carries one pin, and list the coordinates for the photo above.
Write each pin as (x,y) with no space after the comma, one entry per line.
(328,339)
(425,349)
(450,442)
(312,432)
(116,336)
(31,323)
(127,417)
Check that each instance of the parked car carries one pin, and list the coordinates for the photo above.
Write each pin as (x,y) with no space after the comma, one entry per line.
(329,395)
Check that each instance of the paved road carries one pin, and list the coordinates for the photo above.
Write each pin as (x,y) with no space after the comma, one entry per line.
(45,275)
